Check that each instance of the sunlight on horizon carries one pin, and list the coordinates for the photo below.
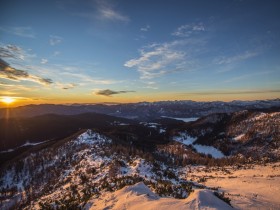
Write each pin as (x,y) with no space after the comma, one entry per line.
(8,100)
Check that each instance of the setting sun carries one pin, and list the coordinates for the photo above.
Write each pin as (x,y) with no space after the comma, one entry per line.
(7,100)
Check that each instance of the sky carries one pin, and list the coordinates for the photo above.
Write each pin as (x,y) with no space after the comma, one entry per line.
(124,51)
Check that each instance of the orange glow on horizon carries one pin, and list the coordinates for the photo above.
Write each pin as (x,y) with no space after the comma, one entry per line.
(152,97)
(8,100)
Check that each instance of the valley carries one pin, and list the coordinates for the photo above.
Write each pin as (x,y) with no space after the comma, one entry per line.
(97,161)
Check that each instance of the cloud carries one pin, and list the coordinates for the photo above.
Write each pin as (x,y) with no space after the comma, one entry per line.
(44,61)
(89,79)
(14,52)
(109,92)
(146,28)
(103,10)
(149,85)
(246,76)
(236,58)
(158,59)
(107,11)
(19,31)
(55,40)
(56,53)
(66,86)
(9,73)
(234,92)
(110,14)
(188,30)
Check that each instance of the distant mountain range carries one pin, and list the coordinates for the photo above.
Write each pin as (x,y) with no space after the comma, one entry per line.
(144,110)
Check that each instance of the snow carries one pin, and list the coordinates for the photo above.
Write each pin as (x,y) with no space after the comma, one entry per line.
(205,199)
(260,116)
(208,150)
(139,196)
(162,130)
(239,137)
(184,138)
(90,137)
(252,187)
(140,167)
(149,124)
(119,123)
(24,145)
(153,125)
(189,119)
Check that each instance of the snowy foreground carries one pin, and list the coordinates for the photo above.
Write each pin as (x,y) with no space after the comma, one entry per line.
(91,175)
(139,196)
(254,187)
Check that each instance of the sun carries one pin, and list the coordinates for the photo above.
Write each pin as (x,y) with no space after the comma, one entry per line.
(7,100)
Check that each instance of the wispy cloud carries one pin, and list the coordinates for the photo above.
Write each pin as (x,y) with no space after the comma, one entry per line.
(16,87)
(110,14)
(246,76)
(234,92)
(88,79)
(9,73)
(103,10)
(109,92)
(14,52)
(66,86)
(55,40)
(235,58)
(21,31)
(44,61)
(149,85)
(188,30)
(157,59)
(146,28)
(56,53)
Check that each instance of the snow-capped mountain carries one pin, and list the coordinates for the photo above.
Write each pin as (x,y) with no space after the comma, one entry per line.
(143,164)
(75,170)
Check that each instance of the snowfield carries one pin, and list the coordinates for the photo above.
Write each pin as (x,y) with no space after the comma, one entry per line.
(208,150)
(184,138)
(189,119)
(255,187)
(139,196)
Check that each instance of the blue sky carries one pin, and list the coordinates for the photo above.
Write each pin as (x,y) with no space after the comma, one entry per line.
(127,51)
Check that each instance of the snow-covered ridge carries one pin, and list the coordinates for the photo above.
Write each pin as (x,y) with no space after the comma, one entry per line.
(257,125)
(139,196)
(91,137)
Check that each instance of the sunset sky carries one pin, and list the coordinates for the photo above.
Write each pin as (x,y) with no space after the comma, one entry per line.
(129,51)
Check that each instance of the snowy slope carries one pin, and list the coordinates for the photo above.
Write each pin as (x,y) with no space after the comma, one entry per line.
(139,196)
(249,187)
(184,138)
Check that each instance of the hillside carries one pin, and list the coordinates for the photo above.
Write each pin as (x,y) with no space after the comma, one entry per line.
(170,160)
(17,131)
(251,134)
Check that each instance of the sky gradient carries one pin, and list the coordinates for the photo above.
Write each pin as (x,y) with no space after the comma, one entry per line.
(129,51)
